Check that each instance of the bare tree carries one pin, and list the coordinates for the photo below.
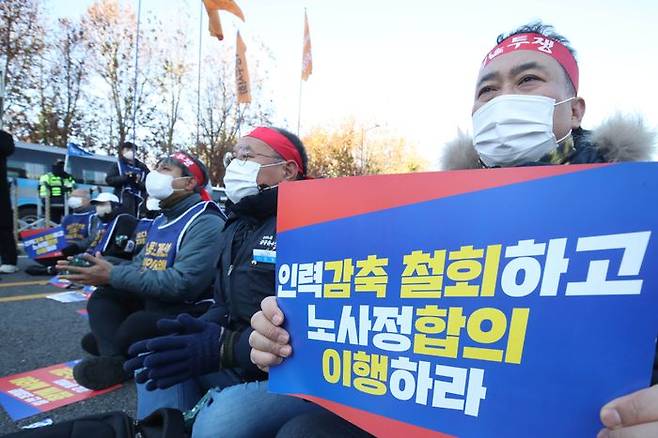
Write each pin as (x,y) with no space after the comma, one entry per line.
(110,32)
(21,47)
(62,75)
(222,118)
(171,80)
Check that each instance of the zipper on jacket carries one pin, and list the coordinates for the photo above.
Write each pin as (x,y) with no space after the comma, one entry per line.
(230,269)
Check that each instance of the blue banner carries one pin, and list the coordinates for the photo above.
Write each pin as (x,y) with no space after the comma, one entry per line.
(74,150)
(507,302)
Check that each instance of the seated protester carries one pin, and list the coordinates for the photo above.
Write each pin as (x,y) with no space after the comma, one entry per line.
(516,85)
(212,352)
(113,231)
(79,225)
(171,275)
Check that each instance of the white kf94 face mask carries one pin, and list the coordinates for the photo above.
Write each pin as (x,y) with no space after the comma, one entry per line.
(74,202)
(240,178)
(515,129)
(103,209)
(158,185)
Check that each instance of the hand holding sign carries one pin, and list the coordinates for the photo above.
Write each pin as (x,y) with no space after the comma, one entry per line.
(269,342)
(96,275)
(632,416)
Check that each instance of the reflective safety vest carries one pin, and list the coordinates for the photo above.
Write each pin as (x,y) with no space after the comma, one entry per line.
(57,185)
(164,239)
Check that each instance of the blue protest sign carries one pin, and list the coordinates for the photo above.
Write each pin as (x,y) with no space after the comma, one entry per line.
(473,303)
(44,243)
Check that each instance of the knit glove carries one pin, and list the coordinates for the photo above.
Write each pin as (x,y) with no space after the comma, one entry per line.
(168,360)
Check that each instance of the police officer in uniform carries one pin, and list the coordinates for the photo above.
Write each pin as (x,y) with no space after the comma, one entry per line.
(55,184)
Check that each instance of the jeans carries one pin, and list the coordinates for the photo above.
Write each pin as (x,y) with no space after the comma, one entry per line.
(182,396)
(247,410)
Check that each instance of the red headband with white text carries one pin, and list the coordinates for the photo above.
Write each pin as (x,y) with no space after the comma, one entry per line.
(280,144)
(196,172)
(538,43)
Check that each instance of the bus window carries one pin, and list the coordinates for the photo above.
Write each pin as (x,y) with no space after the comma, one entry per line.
(15,172)
(29,170)
(35,170)
(93,176)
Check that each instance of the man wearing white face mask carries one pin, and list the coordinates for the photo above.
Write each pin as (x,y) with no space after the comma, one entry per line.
(212,352)
(526,112)
(128,177)
(89,228)
(80,223)
(112,224)
(171,275)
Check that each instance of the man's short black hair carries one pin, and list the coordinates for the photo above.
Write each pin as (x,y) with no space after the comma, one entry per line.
(548,31)
(543,29)
(298,145)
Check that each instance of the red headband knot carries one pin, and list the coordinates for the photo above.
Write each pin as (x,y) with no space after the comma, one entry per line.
(196,172)
(280,144)
(538,43)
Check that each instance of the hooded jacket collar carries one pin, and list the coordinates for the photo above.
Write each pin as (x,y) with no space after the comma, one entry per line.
(259,206)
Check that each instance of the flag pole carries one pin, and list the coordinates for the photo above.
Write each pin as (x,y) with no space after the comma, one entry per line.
(299,106)
(139,17)
(198,79)
(301,80)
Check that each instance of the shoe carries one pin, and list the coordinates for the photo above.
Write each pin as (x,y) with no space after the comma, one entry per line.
(8,269)
(38,270)
(100,372)
(88,344)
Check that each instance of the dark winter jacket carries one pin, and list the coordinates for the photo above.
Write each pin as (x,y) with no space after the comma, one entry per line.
(243,280)
(6,149)
(120,182)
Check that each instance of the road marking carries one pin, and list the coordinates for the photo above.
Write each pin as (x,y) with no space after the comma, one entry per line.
(24,283)
(23,297)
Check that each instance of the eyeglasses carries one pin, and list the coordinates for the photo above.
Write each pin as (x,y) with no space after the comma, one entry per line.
(246,156)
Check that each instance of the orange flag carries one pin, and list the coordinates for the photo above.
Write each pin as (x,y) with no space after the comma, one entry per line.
(226,5)
(242,72)
(214,25)
(307,57)
(213,7)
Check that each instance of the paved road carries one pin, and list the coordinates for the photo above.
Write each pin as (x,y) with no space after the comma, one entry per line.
(36,332)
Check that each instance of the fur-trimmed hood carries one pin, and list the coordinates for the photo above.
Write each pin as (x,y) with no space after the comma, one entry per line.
(620,138)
